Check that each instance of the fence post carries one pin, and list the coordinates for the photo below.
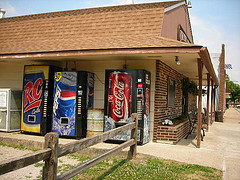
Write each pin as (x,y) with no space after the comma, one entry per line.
(50,167)
(134,135)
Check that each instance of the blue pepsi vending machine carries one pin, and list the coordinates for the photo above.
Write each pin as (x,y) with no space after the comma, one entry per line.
(73,95)
(37,99)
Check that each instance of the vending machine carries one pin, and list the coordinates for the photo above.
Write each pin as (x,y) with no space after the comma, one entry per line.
(127,91)
(37,102)
(10,109)
(73,95)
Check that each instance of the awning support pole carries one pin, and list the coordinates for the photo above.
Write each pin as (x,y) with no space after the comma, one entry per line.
(200,71)
(212,101)
(208,92)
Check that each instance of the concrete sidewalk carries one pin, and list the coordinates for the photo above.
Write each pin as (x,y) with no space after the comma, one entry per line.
(220,148)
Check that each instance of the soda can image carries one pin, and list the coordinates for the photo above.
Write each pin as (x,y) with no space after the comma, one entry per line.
(147,102)
(32,98)
(119,96)
(90,90)
(64,106)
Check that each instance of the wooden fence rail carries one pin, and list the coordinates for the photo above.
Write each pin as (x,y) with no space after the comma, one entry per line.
(52,151)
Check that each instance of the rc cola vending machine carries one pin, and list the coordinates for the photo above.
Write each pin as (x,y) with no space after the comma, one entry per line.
(37,102)
(73,95)
(127,91)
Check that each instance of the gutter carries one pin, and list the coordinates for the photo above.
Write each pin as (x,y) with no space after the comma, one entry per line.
(90,52)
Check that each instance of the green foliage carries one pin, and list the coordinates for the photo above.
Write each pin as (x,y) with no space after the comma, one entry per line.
(227,105)
(191,87)
(234,88)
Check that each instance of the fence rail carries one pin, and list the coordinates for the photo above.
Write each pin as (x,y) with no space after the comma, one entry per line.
(52,151)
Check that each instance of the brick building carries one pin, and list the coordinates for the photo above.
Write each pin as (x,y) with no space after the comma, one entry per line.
(148,36)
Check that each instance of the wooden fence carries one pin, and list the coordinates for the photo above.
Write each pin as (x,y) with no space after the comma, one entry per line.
(52,151)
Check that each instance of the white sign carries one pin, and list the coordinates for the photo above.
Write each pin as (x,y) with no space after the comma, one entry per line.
(3,99)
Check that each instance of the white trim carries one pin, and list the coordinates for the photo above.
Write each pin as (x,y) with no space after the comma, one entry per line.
(174,6)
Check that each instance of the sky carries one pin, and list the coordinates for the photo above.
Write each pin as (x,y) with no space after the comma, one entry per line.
(214,22)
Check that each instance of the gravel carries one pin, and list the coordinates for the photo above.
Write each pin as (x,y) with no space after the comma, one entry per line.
(30,172)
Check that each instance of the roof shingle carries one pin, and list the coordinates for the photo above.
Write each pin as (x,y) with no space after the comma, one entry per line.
(128,26)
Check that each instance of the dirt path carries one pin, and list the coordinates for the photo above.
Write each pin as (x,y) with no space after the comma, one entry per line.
(32,171)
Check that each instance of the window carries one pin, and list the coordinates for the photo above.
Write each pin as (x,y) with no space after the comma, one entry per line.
(181,35)
(171,92)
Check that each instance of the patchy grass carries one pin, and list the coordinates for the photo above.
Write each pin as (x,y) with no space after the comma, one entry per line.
(38,164)
(144,167)
(150,168)
(20,147)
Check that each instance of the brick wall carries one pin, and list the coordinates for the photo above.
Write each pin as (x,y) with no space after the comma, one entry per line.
(172,135)
(161,109)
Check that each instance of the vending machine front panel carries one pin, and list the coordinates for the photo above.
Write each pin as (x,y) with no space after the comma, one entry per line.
(37,102)
(127,91)
(32,101)
(73,95)
(64,105)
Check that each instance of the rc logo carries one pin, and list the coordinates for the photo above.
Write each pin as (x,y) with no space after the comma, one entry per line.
(32,94)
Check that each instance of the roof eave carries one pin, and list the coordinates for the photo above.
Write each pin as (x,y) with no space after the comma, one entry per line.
(206,59)
(169,8)
(147,50)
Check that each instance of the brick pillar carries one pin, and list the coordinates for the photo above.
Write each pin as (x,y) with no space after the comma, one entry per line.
(222,85)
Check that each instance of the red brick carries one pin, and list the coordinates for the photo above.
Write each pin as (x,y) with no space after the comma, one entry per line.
(164,133)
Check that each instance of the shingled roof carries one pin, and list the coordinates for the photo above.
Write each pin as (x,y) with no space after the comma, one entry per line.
(127,26)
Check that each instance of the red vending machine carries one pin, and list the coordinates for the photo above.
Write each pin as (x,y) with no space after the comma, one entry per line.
(127,91)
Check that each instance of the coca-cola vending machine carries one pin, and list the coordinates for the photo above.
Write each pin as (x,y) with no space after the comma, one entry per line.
(127,91)
(73,96)
(37,102)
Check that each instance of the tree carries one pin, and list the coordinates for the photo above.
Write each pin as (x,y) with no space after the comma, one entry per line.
(234,88)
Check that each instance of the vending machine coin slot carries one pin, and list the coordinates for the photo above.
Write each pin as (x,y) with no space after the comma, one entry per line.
(139,92)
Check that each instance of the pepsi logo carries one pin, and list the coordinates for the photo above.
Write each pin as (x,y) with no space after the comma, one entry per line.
(67,95)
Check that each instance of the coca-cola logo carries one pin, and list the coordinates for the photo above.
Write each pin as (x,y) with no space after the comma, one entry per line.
(118,93)
(32,94)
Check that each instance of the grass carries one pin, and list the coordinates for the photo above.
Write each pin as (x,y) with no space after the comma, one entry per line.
(149,168)
(20,147)
(141,168)
(38,164)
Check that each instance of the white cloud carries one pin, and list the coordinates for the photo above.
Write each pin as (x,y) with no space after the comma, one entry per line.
(207,34)
(10,10)
(212,36)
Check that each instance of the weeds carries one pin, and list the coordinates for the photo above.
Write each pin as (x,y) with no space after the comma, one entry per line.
(20,147)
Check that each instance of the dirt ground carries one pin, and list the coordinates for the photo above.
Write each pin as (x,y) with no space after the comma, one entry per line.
(34,171)
(30,172)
